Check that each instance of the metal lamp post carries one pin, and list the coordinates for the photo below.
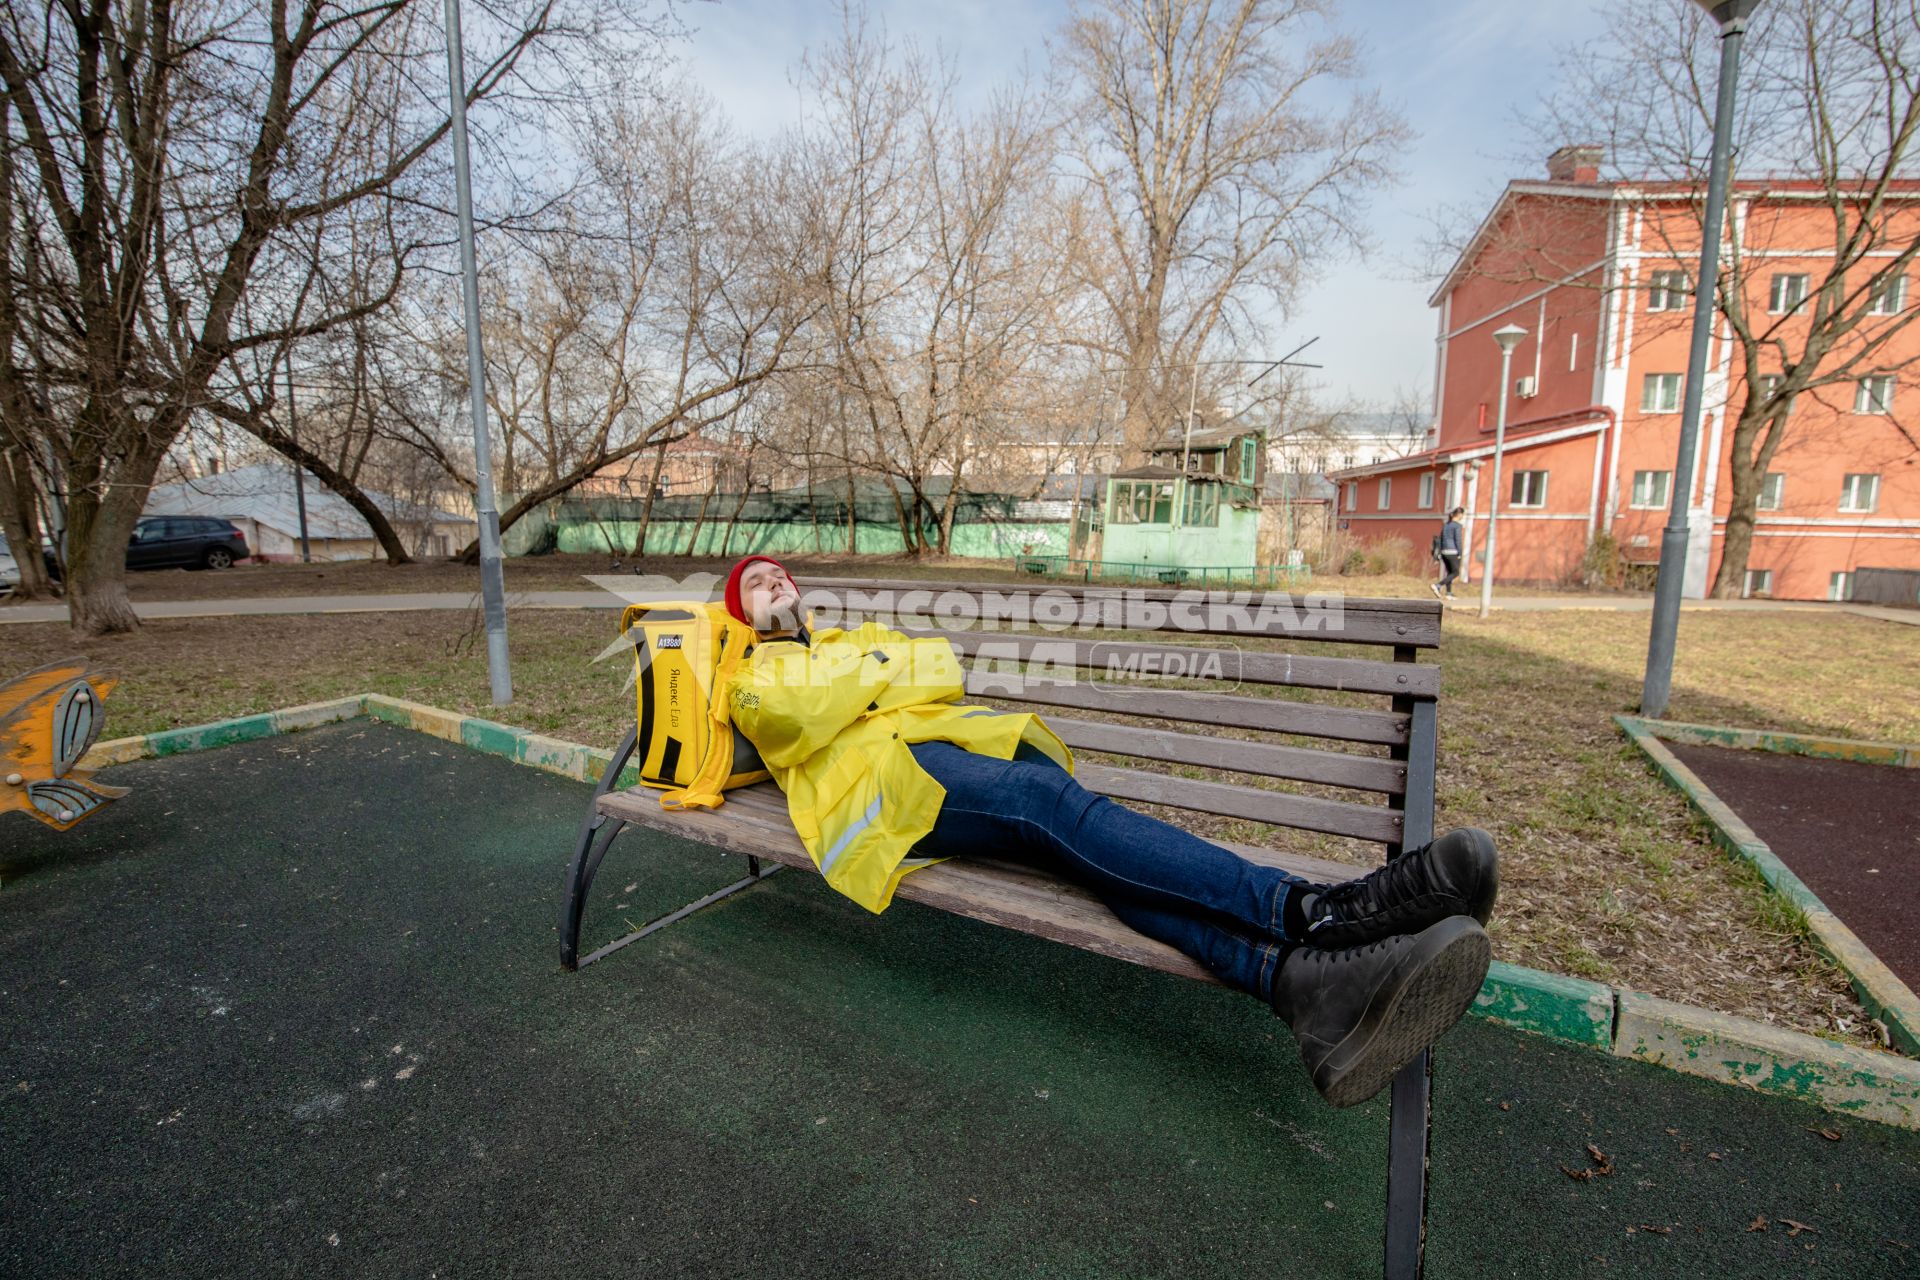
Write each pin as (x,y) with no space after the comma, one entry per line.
(1654,691)
(492,585)
(1509,337)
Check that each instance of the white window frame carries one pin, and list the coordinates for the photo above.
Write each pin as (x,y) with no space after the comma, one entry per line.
(1426,490)
(1777,481)
(1573,352)
(1874,394)
(1662,392)
(1840,585)
(1850,490)
(1765,385)
(1643,498)
(1758,582)
(1668,291)
(1386,492)
(1784,295)
(1353,495)
(1889,298)
(1519,481)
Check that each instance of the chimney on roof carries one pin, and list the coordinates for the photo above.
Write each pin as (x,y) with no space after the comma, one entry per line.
(1580,163)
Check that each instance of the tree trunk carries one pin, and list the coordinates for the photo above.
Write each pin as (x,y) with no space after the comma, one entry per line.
(947,512)
(1754,442)
(20,520)
(646,504)
(853,512)
(700,517)
(96,557)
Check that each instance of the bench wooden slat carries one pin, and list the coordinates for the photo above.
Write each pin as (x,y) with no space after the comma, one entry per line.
(1268,759)
(1013,896)
(1396,622)
(1308,813)
(1353,675)
(1274,714)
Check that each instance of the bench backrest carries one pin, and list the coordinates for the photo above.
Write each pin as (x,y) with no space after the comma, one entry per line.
(1156,700)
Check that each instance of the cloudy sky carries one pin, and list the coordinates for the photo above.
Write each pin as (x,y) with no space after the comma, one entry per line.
(1460,70)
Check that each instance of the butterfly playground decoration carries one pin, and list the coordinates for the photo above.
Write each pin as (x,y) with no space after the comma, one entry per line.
(48,720)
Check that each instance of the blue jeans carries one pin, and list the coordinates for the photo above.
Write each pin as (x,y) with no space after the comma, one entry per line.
(1224,911)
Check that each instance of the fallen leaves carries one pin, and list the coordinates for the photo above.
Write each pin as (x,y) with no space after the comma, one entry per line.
(1760,1223)
(1831,1135)
(1602,1166)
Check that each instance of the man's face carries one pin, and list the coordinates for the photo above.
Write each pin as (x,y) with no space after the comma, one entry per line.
(768,596)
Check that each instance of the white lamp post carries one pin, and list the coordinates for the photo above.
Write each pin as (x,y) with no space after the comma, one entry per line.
(1508,336)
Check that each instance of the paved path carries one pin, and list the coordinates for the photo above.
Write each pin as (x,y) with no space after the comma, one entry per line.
(598,599)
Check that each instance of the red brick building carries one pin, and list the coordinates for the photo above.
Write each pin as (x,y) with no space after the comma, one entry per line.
(1597,274)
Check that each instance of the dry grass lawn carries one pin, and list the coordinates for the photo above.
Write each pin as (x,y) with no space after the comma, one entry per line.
(1605,874)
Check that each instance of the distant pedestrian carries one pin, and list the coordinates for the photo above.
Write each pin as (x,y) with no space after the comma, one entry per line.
(1447,545)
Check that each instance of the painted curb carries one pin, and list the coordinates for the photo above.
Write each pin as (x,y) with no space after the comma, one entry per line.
(1767,1059)
(1880,990)
(1857,750)
(1626,1024)
(1548,1004)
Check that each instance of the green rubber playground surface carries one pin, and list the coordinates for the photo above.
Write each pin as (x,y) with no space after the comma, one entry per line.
(294,1007)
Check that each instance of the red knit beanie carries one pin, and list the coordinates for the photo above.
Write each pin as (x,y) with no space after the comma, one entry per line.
(734,605)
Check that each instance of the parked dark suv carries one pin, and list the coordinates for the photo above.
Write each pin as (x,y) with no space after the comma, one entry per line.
(191,542)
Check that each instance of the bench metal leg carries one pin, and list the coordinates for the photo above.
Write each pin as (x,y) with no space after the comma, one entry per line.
(1410,1123)
(585,862)
(597,833)
(1409,1128)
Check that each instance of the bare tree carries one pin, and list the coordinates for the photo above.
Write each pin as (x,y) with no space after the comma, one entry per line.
(673,291)
(166,162)
(1217,183)
(1829,107)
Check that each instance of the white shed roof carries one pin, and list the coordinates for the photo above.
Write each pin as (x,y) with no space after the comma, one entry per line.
(264,494)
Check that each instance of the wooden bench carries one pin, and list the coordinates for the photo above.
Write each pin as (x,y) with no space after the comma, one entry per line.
(1371,767)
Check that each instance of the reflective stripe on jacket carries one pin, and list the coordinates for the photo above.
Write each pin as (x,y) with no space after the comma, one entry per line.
(834,720)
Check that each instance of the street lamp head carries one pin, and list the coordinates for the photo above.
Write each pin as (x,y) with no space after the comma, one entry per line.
(1509,336)
(1732,15)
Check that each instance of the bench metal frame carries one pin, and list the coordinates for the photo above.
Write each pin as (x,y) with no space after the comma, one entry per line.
(1006,893)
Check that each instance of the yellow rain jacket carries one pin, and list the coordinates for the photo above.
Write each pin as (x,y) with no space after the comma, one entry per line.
(833,720)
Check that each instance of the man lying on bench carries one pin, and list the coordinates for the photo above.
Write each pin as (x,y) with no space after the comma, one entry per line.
(886,771)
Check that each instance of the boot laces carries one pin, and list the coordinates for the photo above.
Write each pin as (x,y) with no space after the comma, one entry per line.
(1405,877)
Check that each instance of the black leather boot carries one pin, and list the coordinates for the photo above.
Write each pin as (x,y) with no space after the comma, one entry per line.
(1456,875)
(1361,1014)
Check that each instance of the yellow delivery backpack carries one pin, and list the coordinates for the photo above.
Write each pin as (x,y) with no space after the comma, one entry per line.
(683,651)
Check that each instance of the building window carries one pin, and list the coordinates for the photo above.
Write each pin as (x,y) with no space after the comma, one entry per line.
(1667,291)
(1652,488)
(1353,495)
(1142,502)
(1426,490)
(1346,460)
(1860,494)
(1529,489)
(1660,393)
(1773,490)
(1386,492)
(1888,297)
(1759,583)
(1246,459)
(1788,292)
(1203,505)
(1769,383)
(1874,395)
(1840,586)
